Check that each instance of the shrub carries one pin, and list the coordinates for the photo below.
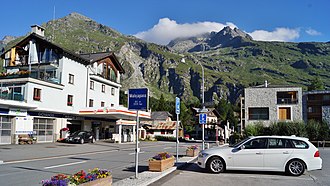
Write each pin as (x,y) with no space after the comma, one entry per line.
(317,131)
(254,129)
(313,128)
(288,129)
(165,138)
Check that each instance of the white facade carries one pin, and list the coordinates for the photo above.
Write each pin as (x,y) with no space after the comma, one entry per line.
(51,91)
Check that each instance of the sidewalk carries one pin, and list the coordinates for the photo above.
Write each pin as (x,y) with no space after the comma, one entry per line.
(147,177)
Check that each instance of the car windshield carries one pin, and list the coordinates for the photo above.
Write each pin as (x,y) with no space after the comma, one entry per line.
(239,143)
(77,133)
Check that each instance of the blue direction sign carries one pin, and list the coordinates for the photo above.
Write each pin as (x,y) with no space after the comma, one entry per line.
(177,105)
(138,99)
(202,118)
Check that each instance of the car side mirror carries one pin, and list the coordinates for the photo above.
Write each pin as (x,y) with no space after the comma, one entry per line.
(242,147)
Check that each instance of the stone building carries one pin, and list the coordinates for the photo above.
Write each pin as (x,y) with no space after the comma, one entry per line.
(271,103)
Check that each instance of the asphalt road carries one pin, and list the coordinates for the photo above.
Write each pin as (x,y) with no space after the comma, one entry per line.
(29,164)
(192,175)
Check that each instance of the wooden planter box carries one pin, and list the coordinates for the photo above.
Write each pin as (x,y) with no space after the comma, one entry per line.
(192,153)
(160,165)
(99,182)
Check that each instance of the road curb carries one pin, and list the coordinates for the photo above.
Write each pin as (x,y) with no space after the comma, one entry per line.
(147,177)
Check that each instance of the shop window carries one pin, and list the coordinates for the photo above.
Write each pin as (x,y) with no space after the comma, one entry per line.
(92,85)
(91,102)
(103,88)
(102,104)
(36,94)
(71,78)
(70,100)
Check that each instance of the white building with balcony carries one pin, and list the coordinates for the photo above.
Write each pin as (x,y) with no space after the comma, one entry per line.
(44,88)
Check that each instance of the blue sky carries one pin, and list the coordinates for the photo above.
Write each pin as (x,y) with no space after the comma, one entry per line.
(162,20)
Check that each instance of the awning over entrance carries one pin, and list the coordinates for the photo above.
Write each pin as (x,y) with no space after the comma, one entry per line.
(114,113)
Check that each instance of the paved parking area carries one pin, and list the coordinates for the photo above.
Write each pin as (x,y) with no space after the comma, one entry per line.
(192,175)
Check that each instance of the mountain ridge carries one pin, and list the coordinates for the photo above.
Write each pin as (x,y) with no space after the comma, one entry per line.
(231,62)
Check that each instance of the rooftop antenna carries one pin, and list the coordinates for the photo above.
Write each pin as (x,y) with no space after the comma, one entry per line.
(53,38)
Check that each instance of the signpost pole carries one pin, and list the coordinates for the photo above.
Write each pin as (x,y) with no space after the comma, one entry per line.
(203,133)
(177,111)
(177,138)
(137,145)
(202,121)
(137,100)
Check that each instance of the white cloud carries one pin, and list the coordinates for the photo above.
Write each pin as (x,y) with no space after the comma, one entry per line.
(313,32)
(166,30)
(279,34)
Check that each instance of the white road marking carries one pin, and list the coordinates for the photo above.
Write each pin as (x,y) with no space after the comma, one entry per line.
(58,157)
(134,153)
(63,165)
(167,147)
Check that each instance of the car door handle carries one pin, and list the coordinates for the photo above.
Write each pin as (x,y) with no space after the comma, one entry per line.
(286,152)
(258,153)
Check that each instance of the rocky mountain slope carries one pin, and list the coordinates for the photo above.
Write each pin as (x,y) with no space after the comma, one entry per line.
(5,41)
(232,60)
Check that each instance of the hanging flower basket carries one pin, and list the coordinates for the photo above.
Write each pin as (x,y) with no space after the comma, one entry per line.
(161,162)
(192,151)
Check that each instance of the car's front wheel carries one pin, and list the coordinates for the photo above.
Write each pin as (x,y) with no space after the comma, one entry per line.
(295,167)
(216,165)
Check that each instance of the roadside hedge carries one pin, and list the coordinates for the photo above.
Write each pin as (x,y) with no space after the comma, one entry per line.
(312,130)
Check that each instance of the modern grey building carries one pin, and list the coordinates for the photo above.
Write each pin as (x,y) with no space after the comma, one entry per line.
(316,105)
(271,103)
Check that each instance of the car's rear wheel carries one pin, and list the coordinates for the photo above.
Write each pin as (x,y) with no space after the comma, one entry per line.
(81,141)
(93,140)
(216,165)
(295,167)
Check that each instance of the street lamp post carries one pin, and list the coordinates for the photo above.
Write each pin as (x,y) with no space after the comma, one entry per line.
(203,109)
(203,105)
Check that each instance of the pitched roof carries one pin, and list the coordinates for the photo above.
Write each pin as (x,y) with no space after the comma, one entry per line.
(93,57)
(160,115)
(42,40)
(167,125)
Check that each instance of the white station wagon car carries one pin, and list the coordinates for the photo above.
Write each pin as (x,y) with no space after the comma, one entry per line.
(289,154)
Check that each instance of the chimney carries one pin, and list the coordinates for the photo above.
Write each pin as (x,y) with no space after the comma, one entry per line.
(266,84)
(38,30)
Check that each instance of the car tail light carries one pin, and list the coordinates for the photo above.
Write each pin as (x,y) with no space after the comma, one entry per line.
(317,154)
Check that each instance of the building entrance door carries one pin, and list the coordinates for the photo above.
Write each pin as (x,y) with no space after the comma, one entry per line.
(5,130)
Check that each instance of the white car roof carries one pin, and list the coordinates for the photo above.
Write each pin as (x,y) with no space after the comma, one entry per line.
(289,137)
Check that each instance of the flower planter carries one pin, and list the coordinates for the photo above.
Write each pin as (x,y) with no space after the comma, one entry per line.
(161,165)
(192,152)
(99,182)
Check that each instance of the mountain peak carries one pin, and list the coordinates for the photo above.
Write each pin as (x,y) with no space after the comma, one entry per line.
(75,15)
(232,33)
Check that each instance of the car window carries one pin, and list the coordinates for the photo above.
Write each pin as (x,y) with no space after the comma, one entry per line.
(239,143)
(259,143)
(275,143)
(298,144)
